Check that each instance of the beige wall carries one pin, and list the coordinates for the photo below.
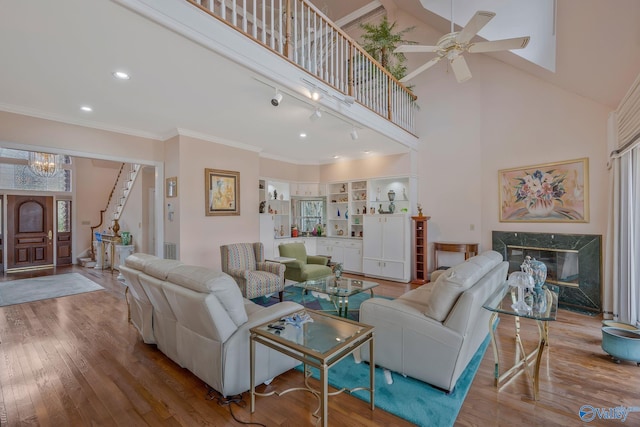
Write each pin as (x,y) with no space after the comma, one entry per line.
(200,235)
(77,140)
(286,171)
(92,187)
(372,167)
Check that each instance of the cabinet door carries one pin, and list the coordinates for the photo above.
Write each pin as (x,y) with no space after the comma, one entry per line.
(337,254)
(322,247)
(353,259)
(393,238)
(371,266)
(393,269)
(372,240)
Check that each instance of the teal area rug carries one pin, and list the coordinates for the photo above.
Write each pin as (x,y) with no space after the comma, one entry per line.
(46,287)
(407,398)
(316,301)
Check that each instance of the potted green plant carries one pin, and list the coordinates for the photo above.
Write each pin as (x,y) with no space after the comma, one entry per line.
(380,41)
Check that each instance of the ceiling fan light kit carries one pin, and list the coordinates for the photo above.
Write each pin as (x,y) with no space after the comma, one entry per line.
(452,46)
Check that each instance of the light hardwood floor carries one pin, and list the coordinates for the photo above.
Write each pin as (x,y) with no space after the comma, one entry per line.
(76,361)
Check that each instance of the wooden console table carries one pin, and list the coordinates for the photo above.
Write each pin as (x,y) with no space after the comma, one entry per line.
(469,249)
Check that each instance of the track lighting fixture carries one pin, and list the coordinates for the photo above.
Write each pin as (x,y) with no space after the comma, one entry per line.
(316,95)
(277,99)
(316,115)
(354,134)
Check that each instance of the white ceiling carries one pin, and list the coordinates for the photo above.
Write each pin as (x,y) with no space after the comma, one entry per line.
(59,55)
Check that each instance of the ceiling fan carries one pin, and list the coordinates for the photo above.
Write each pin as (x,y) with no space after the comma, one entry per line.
(451,46)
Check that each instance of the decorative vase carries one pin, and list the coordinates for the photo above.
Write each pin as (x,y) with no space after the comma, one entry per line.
(539,273)
(540,208)
(392,195)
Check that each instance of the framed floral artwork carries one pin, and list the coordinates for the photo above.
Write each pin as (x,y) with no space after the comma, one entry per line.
(552,192)
(221,192)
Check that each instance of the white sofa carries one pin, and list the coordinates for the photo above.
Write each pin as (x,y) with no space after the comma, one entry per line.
(432,332)
(198,317)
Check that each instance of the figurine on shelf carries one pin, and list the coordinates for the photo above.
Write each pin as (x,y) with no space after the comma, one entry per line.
(275,194)
(420,210)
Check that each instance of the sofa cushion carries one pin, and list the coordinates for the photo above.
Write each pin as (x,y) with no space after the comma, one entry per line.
(159,268)
(138,260)
(453,282)
(206,280)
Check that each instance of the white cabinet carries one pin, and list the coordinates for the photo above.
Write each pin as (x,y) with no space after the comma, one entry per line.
(307,189)
(348,252)
(332,248)
(386,247)
(353,256)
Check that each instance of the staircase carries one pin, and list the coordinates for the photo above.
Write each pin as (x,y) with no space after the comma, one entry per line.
(118,197)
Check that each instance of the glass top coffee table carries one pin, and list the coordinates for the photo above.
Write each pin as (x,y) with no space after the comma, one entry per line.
(543,305)
(338,290)
(320,343)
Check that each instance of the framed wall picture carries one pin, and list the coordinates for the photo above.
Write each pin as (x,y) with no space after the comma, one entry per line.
(221,192)
(171,187)
(551,192)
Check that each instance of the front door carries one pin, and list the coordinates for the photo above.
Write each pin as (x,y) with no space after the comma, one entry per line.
(29,231)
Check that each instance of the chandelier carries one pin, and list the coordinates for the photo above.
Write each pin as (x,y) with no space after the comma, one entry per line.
(45,164)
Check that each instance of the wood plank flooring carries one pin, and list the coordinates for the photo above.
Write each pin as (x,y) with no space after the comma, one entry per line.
(75,361)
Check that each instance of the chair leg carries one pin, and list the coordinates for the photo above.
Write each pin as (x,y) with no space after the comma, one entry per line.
(281,294)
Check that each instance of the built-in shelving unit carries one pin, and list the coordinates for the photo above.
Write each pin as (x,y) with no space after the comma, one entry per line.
(379,194)
(337,209)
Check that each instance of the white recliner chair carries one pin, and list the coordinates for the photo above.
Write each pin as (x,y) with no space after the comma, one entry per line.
(432,332)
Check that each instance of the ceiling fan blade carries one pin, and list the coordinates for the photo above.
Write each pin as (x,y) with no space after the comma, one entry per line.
(460,69)
(410,48)
(418,70)
(493,46)
(475,24)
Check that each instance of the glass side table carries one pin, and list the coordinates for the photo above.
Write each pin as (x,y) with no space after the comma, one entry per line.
(319,344)
(545,308)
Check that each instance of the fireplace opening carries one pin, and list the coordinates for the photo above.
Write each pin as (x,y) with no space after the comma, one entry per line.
(562,264)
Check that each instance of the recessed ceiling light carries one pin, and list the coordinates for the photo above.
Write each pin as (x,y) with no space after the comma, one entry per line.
(121,75)
(315,95)
(367,152)
(336,157)
(303,135)
(86,108)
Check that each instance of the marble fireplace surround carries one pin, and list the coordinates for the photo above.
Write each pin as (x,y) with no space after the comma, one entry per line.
(583,292)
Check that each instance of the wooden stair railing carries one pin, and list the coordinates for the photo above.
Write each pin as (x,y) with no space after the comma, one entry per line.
(115,202)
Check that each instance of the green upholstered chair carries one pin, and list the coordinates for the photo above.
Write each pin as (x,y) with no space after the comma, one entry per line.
(305,267)
(255,276)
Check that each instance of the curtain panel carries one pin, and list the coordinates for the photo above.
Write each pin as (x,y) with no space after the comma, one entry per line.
(621,296)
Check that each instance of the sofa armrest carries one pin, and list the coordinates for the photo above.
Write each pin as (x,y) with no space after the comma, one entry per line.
(271,267)
(267,314)
(294,265)
(435,274)
(317,259)
(236,273)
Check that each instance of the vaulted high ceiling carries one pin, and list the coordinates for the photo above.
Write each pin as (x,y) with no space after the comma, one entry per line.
(59,55)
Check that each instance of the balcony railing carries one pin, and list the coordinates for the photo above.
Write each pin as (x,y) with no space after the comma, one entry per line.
(310,40)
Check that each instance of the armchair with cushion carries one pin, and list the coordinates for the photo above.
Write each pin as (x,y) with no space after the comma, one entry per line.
(246,264)
(305,267)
